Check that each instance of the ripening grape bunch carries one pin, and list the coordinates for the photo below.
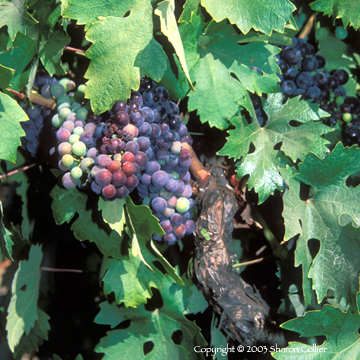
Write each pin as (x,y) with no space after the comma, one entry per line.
(140,144)
(303,74)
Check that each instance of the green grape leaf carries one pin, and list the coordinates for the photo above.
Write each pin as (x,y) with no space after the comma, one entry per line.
(66,203)
(5,240)
(14,15)
(326,216)
(19,57)
(111,72)
(156,326)
(143,221)
(22,178)
(275,15)
(189,7)
(51,49)
(152,60)
(113,213)
(336,52)
(193,298)
(165,10)
(6,75)
(11,115)
(31,341)
(22,311)
(340,329)
(275,38)
(347,10)
(130,279)
(264,162)
(222,80)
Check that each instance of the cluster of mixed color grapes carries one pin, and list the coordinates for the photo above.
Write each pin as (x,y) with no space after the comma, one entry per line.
(303,74)
(140,144)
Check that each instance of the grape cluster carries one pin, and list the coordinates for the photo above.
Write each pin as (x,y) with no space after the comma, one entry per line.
(35,139)
(140,143)
(303,74)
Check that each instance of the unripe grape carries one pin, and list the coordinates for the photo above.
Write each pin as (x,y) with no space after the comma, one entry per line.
(73,139)
(78,148)
(67,160)
(182,205)
(76,173)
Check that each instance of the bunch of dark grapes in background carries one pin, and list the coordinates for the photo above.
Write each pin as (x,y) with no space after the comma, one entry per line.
(140,144)
(303,75)
(37,139)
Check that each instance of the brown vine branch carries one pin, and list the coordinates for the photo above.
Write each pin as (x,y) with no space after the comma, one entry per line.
(308,27)
(62,270)
(77,51)
(36,99)
(17,171)
(201,175)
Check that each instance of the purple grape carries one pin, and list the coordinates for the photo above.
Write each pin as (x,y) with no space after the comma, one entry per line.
(176,219)
(141,159)
(118,178)
(119,106)
(166,225)
(145,129)
(146,179)
(136,117)
(122,192)
(128,168)
(131,181)
(121,118)
(190,227)
(152,166)
(169,239)
(171,185)
(144,143)
(180,188)
(103,177)
(103,160)
(148,114)
(96,188)
(187,191)
(171,203)
(180,230)
(63,135)
(159,178)
(87,137)
(133,147)
(155,131)
(159,204)
(108,191)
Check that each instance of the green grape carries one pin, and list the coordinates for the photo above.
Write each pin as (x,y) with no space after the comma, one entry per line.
(78,130)
(86,163)
(339,100)
(63,105)
(82,88)
(347,117)
(63,82)
(81,113)
(341,33)
(117,156)
(56,120)
(74,138)
(78,148)
(175,175)
(74,106)
(67,160)
(57,90)
(64,112)
(182,205)
(63,99)
(70,85)
(76,173)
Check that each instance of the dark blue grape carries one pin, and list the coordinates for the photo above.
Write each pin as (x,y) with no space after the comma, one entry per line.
(291,55)
(342,76)
(288,87)
(309,64)
(304,80)
(144,143)
(313,92)
(148,113)
(321,61)
(99,130)
(171,108)
(340,91)
(121,118)
(152,166)
(136,117)
(159,178)
(320,79)
(290,74)
(332,82)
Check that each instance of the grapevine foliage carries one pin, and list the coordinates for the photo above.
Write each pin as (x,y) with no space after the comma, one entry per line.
(279,89)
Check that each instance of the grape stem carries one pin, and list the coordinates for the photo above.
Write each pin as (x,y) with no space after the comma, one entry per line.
(16,171)
(201,175)
(77,51)
(62,270)
(307,27)
(36,99)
